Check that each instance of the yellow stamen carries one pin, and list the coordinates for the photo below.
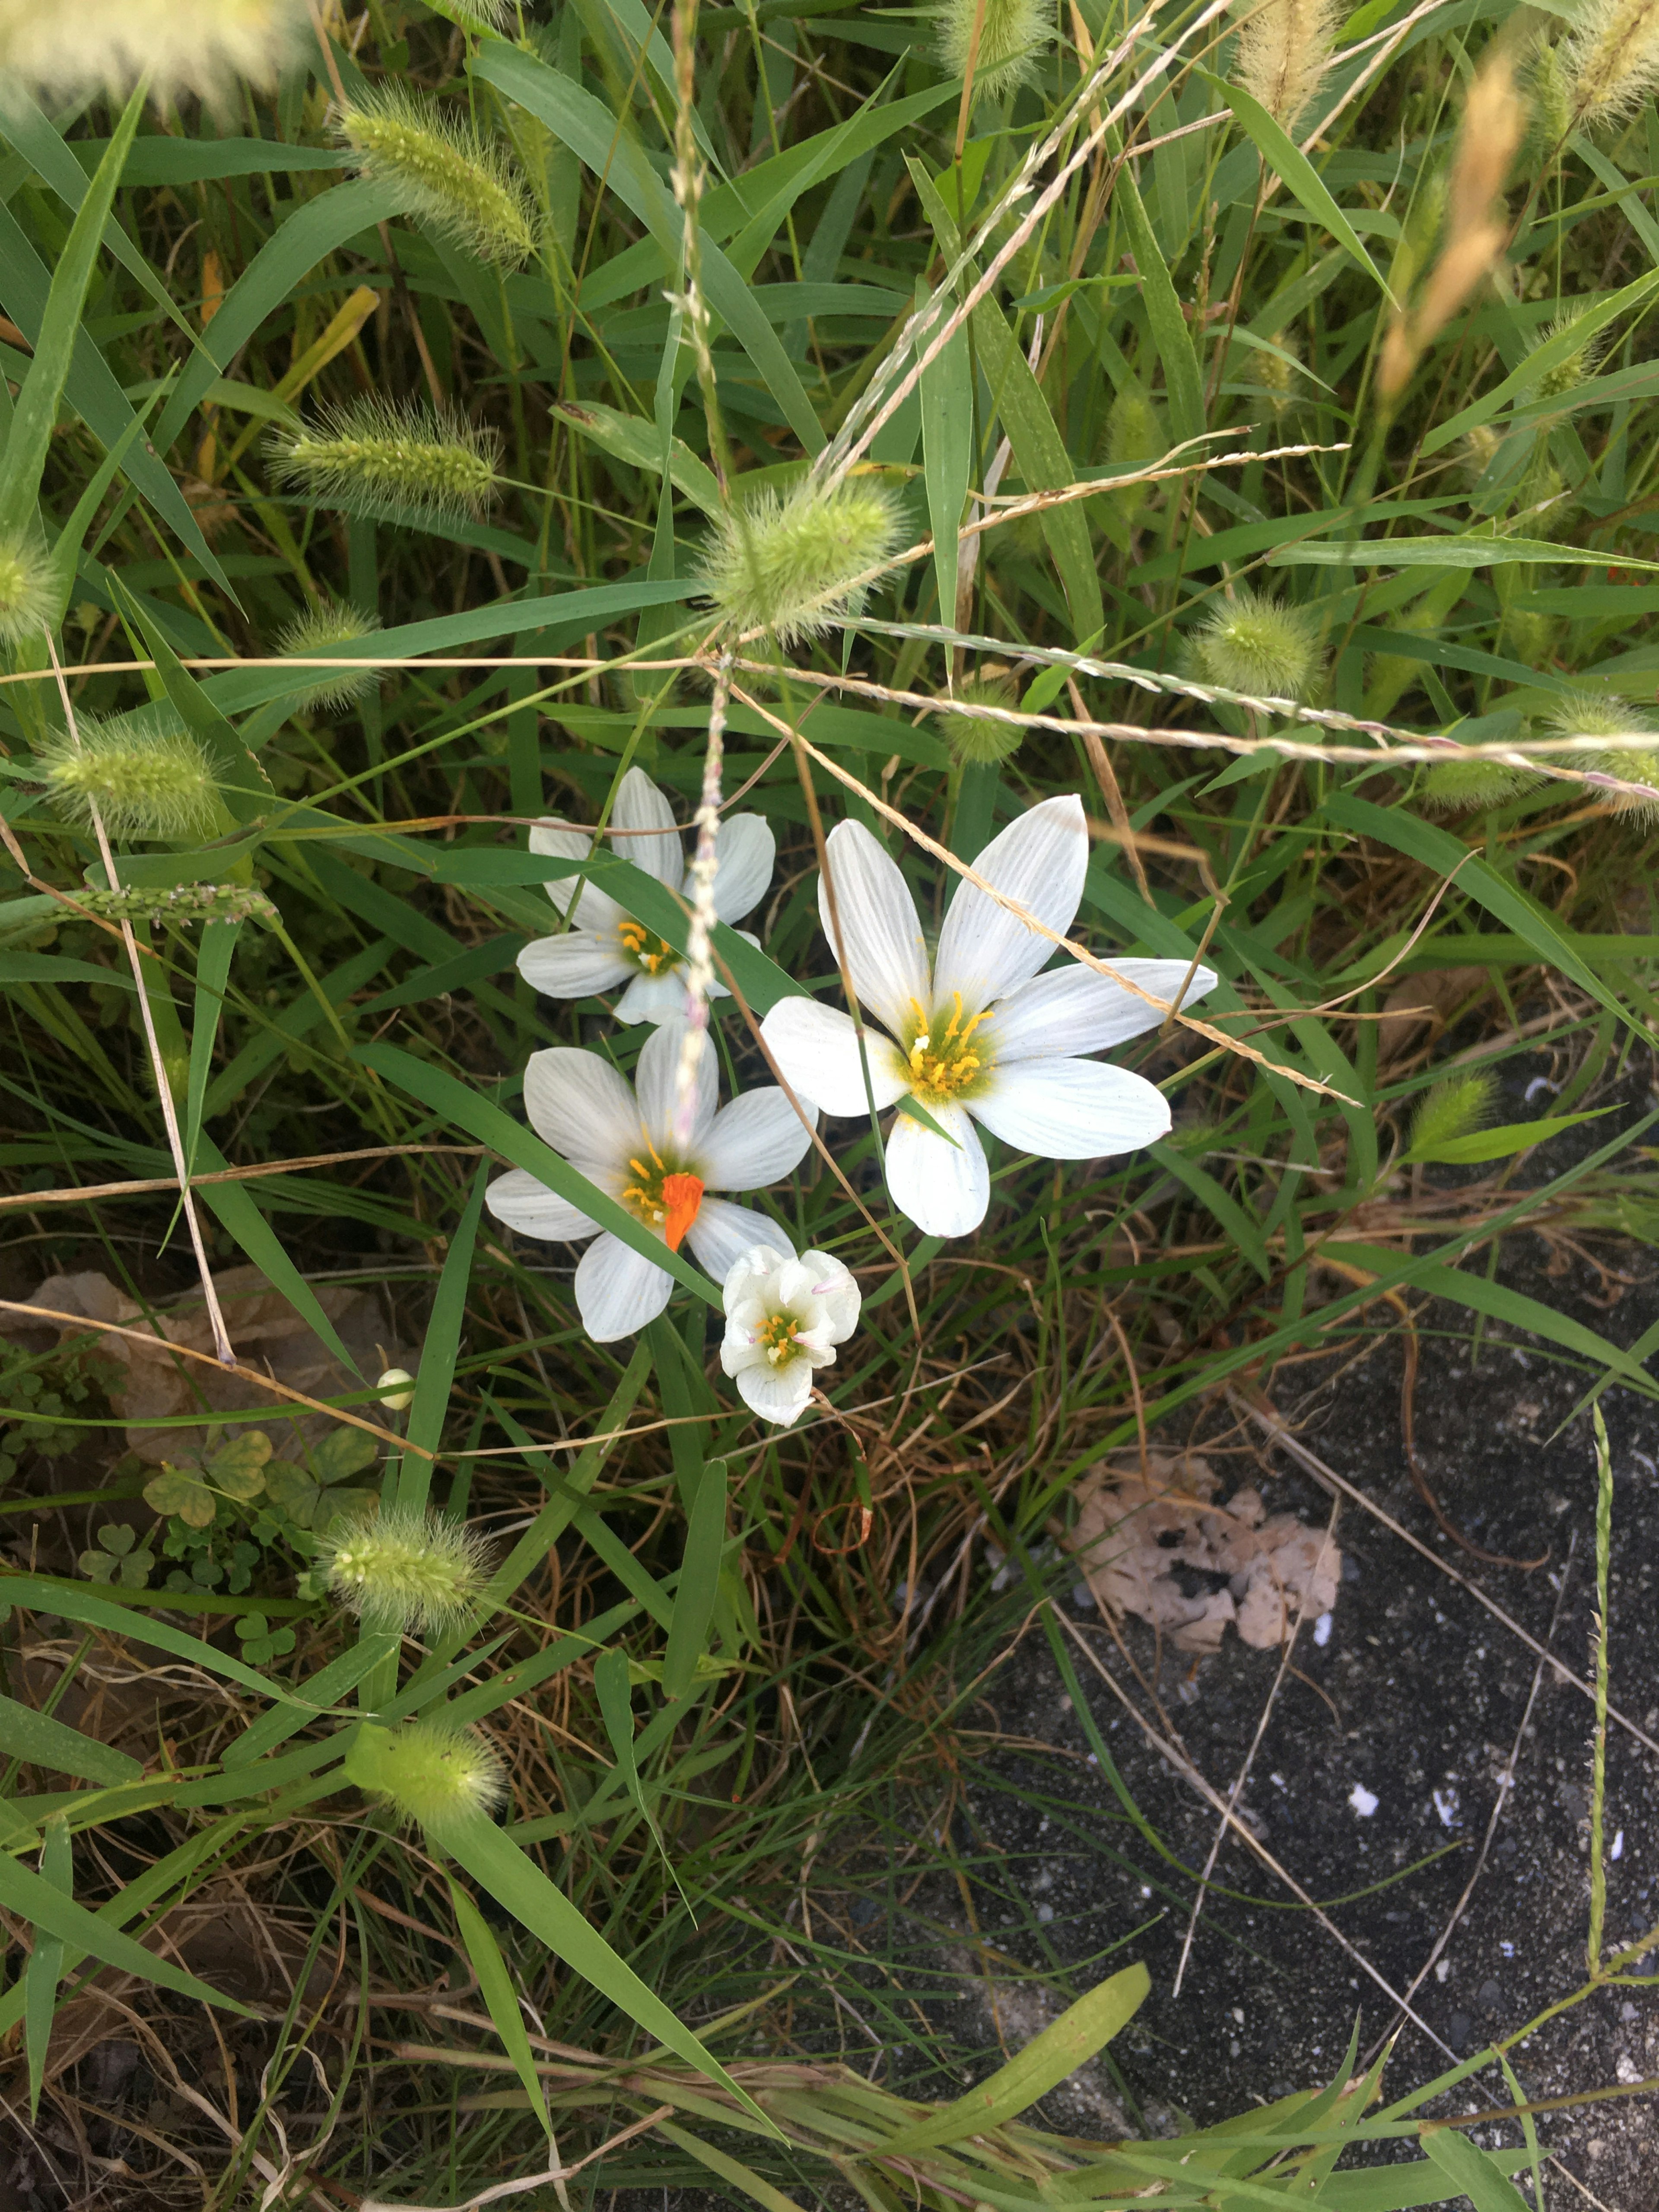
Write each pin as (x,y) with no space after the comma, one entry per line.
(663,1197)
(778,1332)
(945,1065)
(650,954)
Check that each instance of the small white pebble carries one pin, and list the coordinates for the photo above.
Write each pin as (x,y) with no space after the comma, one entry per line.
(1441,1968)
(1322,1631)
(1618,1850)
(1445,1803)
(1278,1781)
(1508,1950)
(1045,1913)
(1362,1801)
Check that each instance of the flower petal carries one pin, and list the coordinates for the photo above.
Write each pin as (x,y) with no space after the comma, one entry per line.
(1075,1010)
(652,998)
(883,945)
(573,966)
(945,1188)
(618,1290)
(594,911)
(657,1080)
(522,1203)
(1072,1110)
(1040,860)
(817,1048)
(641,807)
(836,1295)
(755,1140)
(578,1104)
(778,1395)
(746,850)
(722,1233)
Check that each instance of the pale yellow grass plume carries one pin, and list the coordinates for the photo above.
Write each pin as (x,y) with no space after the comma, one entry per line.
(1476,229)
(183,45)
(1284,52)
(1610,60)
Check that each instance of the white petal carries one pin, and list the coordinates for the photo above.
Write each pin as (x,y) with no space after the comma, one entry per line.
(755,1140)
(945,1188)
(882,937)
(722,1233)
(652,998)
(579,1104)
(593,909)
(1075,1010)
(1040,860)
(836,1297)
(533,1210)
(617,1291)
(778,1395)
(657,1080)
(817,1048)
(738,1350)
(640,807)
(573,966)
(746,849)
(1072,1110)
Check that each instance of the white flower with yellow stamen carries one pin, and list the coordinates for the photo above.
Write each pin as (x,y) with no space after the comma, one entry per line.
(608,946)
(784,1318)
(620,1136)
(984,1037)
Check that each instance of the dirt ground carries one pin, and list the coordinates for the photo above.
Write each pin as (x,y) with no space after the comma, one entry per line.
(1388,1739)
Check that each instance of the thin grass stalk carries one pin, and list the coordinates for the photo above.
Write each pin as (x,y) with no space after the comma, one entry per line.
(1598,1868)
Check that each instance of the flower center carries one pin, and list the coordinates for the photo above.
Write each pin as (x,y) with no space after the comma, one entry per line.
(650,955)
(662,1197)
(947,1062)
(778,1332)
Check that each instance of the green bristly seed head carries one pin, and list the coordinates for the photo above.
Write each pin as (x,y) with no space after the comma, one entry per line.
(441,1779)
(402,1570)
(1454,1107)
(1601,714)
(1256,645)
(447,177)
(318,632)
(183,902)
(1473,787)
(975,739)
(26,603)
(144,775)
(1012,34)
(390,463)
(789,565)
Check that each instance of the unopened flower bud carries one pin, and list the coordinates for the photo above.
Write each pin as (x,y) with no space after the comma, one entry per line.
(397,1389)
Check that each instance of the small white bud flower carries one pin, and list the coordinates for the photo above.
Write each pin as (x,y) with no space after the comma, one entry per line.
(784,1317)
(397,1389)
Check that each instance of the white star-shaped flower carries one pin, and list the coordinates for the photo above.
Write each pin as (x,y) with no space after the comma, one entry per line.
(984,1037)
(784,1318)
(608,946)
(621,1137)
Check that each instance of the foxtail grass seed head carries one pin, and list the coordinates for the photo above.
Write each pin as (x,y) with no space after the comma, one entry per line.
(318,632)
(27,604)
(144,776)
(1610,60)
(1255,644)
(1012,34)
(437,1778)
(390,463)
(1284,52)
(400,1570)
(445,175)
(1455,1107)
(1566,374)
(1473,786)
(975,739)
(789,565)
(397,1389)
(181,903)
(182,46)
(1592,714)
(1549,96)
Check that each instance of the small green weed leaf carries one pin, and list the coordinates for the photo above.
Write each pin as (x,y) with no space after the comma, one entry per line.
(343,1452)
(1482,1145)
(1486,2188)
(292,1491)
(346,1504)
(115,1560)
(180,1491)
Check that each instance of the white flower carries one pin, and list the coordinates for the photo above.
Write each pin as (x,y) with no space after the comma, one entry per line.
(608,946)
(985,1037)
(784,1317)
(619,1136)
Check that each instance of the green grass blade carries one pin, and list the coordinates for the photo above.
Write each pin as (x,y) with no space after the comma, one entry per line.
(699,1582)
(46,1966)
(39,1740)
(495,1988)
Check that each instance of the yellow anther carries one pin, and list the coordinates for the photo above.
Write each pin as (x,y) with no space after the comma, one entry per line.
(778,1333)
(942,1071)
(652,954)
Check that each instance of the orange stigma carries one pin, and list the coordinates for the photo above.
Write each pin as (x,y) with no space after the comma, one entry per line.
(682,1196)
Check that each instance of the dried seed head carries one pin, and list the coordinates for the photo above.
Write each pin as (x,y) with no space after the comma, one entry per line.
(975,740)
(1012,34)
(27,604)
(195,45)
(1473,787)
(447,176)
(143,773)
(442,1778)
(1257,645)
(391,463)
(317,633)
(399,1570)
(1284,52)
(789,565)
(1610,60)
